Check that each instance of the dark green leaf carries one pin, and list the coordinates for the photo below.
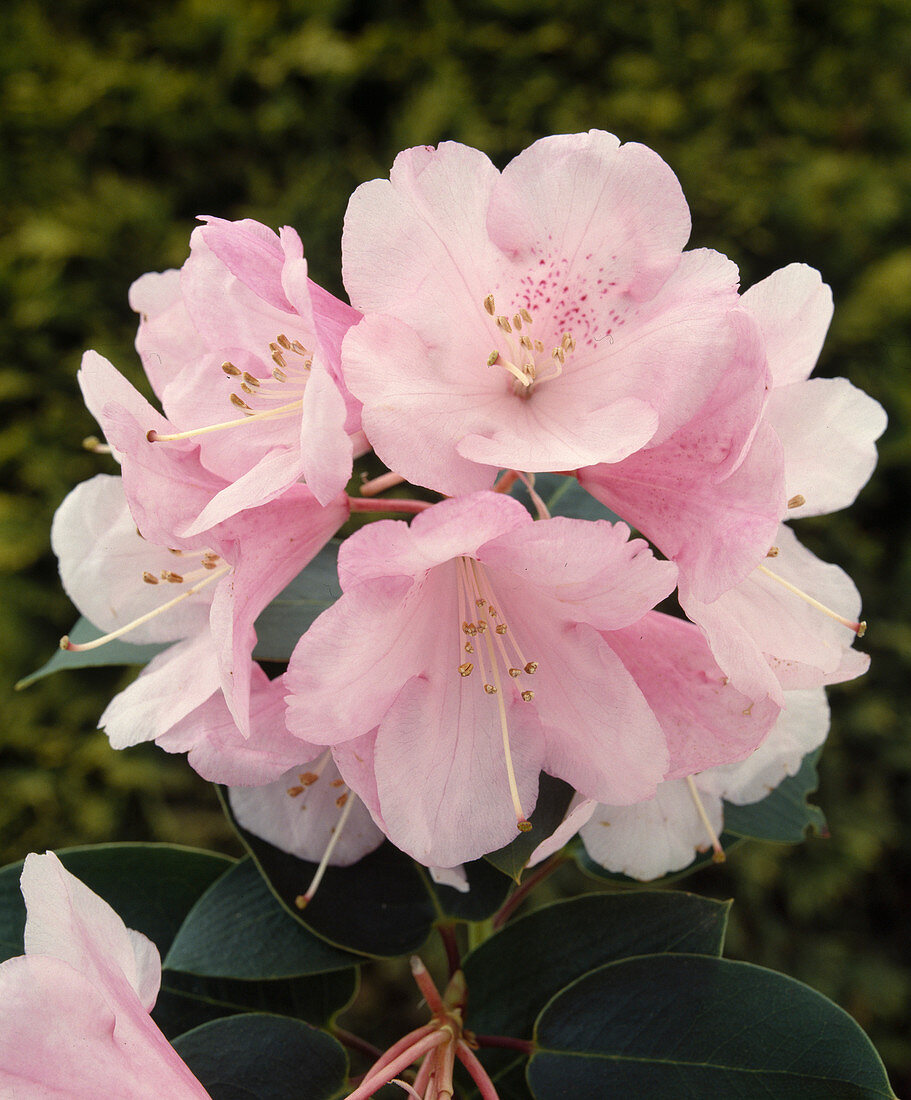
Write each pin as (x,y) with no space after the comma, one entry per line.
(784,816)
(186,1000)
(279,627)
(258,1057)
(239,929)
(151,886)
(513,974)
(377,906)
(117,652)
(668,1026)
(487,890)
(553,797)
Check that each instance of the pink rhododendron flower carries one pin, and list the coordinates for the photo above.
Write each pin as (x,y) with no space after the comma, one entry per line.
(74,1009)
(204,593)
(654,838)
(243,351)
(464,657)
(542,318)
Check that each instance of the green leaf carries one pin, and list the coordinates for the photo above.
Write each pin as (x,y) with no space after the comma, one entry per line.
(668,1026)
(239,929)
(377,906)
(259,1057)
(151,886)
(553,798)
(487,890)
(512,975)
(187,1000)
(786,815)
(113,653)
(280,625)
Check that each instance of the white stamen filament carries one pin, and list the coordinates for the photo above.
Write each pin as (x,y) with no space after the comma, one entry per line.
(718,856)
(522,351)
(859,628)
(474,590)
(303,900)
(81,647)
(269,414)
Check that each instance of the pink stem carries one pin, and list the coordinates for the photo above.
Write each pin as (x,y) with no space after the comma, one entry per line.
(388,504)
(376,1080)
(477,1071)
(398,1047)
(380,484)
(505,1041)
(425,983)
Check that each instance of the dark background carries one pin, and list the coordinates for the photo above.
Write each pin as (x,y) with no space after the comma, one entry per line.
(789,125)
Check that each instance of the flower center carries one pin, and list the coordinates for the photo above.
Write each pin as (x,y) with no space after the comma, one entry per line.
(521,354)
(263,398)
(487,638)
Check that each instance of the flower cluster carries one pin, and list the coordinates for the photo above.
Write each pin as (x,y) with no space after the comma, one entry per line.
(542,319)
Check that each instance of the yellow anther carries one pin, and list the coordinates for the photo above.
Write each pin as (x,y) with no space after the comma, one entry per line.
(526,316)
(528,696)
(308,778)
(501,628)
(230,369)
(531,668)
(492,358)
(279,359)
(342,799)
(283,341)
(294,791)
(490,689)
(466,669)
(149,578)
(772,552)
(239,402)
(489,304)
(797,501)
(517,321)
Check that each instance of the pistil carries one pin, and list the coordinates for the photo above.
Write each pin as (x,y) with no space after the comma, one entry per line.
(859,628)
(718,852)
(289,376)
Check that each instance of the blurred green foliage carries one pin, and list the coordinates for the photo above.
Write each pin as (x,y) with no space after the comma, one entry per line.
(789,125)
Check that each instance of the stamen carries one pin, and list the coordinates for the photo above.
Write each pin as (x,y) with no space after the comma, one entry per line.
(303,900)
(489,305)
(859,628)
(81,647)
(718,856)
(797,501)
(93,443)
(522,823)
(230,369)
(154,437)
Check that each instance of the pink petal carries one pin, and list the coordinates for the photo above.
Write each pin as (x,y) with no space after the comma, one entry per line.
(829,430)
(652,838)
(586,195)
(447,732)
(102,562)
(802,727)
(167,340)
(219,752)
(252,253)
(582,571)
(67,921)
(793,307)
(269,546)
(705,719)
(760,619)
(301,816)
(601,734)
(578,812)
(60,1036)
(170,687)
